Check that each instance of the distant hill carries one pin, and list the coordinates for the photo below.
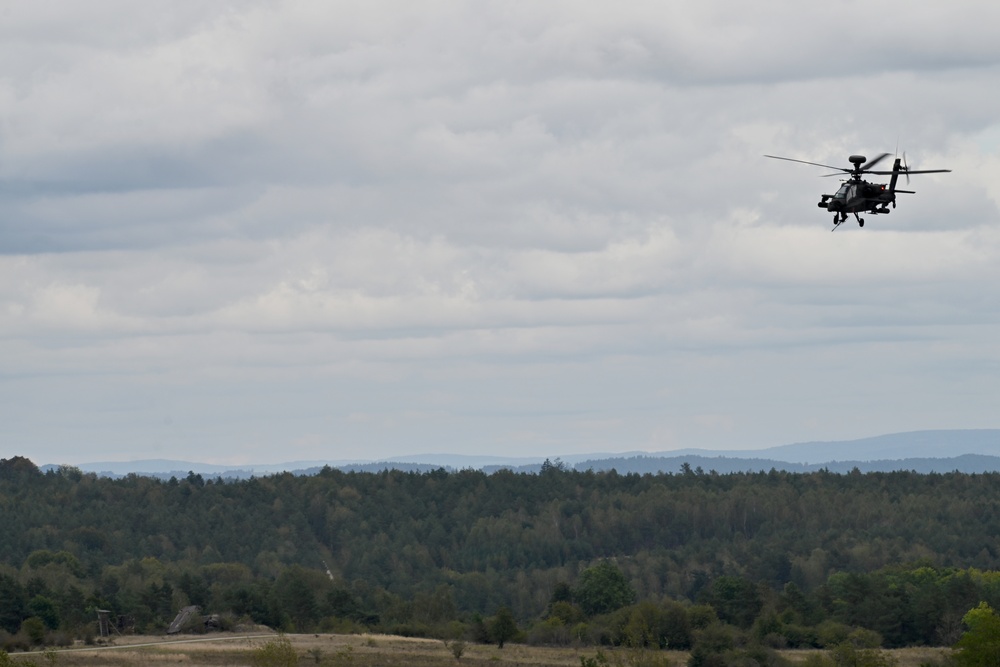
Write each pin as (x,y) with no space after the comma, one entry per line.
(967,463)
(969,451)
(894,446)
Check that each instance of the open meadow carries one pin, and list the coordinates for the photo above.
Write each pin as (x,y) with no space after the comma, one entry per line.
(238,650)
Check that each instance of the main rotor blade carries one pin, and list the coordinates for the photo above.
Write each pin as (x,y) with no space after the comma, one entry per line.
(874,161)
(815,164)
(912,171)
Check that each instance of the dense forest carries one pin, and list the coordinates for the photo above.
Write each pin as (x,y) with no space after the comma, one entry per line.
(808,559)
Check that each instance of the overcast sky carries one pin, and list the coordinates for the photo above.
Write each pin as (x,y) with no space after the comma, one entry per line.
(263,231)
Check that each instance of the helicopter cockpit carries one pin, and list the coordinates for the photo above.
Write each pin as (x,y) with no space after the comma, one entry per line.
(843,192)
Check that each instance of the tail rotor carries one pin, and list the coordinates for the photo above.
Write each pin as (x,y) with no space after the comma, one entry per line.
(906,169)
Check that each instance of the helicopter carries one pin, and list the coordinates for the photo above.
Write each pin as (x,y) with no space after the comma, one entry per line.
(856,195)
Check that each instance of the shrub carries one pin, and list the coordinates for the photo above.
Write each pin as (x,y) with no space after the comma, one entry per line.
(34,629)
(980,645)
(275,653)
(550,632)
(846,655)
(457,648)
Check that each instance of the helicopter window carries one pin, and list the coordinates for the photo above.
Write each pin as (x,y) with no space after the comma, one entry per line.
(842,192)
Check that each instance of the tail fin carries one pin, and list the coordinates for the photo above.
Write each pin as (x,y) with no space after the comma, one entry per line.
(895,175)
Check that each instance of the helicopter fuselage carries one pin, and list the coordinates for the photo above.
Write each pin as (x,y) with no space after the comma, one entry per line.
(857,196)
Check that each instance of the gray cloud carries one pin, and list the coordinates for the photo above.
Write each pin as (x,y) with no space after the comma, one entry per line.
(268,231)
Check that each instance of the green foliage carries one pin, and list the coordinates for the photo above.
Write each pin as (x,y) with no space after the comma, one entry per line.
(640,657)
(277,652)
(45,609)
(34,629)
(830,633)
(847,655)
(650,625)
(43,557)
(864,638)
(457,648)
(12,603)
(598,660)
(566,612)
(980,644)
(17,467)
(711,643)
(295,592)
(344,657)
(603,588)
(701,616)
(736,600)
(811,560)
(503,627)
(21,661)
(818,660)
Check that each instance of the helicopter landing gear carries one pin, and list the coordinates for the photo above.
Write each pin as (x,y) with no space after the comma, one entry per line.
(861,221)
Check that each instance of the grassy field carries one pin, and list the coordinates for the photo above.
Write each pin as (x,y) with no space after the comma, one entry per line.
(359,651)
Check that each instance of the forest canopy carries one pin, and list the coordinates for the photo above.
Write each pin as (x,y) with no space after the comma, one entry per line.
(805,559)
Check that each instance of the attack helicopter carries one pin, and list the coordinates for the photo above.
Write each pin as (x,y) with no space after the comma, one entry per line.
(857,195)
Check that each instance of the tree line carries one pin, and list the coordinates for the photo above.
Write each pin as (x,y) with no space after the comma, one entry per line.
(680,560)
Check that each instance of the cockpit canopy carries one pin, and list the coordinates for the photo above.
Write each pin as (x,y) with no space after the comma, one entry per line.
(842,192)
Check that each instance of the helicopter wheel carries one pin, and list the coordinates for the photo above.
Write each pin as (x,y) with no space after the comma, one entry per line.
(861,222)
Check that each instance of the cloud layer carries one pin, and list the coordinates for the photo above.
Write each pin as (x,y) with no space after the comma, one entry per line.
(266,231)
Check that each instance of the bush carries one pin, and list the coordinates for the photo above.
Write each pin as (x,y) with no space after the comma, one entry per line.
(817,660)
(701,616)
(980,645)
(799,636)
(59,638)
(603,588)
(410,630)
(18,642)
(864,638)
(503,627)
(457,648)
(34,629)
(831,633)
(275,653)
(847,655)
(340,626)
(550,632)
